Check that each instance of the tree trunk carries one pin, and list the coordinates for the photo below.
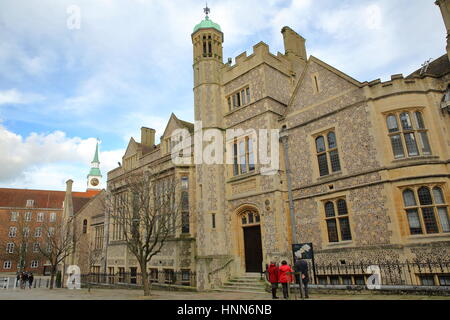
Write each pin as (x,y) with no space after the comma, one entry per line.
(52,278)
(145,281)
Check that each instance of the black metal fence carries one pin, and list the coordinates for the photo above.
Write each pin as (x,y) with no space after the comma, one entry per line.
(165,277)
(392,273)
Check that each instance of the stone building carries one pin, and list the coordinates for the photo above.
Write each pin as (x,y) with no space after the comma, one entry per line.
(368,163)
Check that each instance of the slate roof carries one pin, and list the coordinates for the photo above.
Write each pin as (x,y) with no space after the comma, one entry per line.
(17,198)
(437,68)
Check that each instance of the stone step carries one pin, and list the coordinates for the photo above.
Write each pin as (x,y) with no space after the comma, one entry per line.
(237,290)
(242,286)
(246,281)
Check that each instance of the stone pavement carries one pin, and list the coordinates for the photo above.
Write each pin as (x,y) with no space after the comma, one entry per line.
(127,294)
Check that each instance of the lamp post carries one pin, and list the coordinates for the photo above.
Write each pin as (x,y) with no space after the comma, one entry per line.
(284,135)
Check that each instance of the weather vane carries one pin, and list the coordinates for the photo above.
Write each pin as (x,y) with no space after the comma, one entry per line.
(206,9)
(425,66)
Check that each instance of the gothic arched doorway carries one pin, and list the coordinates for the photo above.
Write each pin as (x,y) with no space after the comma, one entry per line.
(250,221)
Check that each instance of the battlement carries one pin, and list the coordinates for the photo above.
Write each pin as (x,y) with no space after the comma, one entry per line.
(261,54)
(398,83)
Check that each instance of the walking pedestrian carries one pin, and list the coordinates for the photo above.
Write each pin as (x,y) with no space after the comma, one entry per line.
(285,276)
(24,281)
(301,266)
(18,279)
(272,275)
(30,279)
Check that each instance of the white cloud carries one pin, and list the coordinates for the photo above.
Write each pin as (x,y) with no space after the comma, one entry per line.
(13,96)
(130,65)
(48,160)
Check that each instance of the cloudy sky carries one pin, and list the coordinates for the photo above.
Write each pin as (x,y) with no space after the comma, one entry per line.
(130,65)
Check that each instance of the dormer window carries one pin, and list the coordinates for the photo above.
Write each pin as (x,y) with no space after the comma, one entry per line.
(30,203)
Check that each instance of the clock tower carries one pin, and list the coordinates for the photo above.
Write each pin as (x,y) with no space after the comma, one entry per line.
(94,177)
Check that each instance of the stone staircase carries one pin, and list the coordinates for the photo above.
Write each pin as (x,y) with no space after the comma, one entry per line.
(249,283)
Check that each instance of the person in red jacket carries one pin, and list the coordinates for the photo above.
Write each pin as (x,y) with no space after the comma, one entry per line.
(272,274)
(285,277)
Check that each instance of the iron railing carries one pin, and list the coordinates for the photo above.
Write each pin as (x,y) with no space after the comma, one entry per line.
(165,277)
(391,273)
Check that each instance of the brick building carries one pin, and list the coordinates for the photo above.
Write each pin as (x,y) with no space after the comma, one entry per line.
(24,214)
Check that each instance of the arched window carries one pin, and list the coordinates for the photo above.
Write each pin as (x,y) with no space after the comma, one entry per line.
(320,144)
(428,215)
(250,217)
(322,156)
(84,226)
(408,198)
(338,228)
(438,195)
(413,136)
(392,123)
(327,155)
(405,121)
(329,209)
(342,207)
(419,120)
(331,140)
(424,196)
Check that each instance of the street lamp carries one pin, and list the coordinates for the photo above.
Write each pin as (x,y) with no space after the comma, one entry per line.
(284,136)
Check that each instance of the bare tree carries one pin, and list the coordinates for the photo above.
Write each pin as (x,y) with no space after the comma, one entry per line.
(59,240)
(145,215)
(20,246)
(90,257)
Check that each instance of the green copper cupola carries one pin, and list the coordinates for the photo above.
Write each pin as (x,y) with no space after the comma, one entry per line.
(207,23)
(94,175)
(207,39)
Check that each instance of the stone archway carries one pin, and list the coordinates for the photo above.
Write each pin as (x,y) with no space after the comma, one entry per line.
(250,233)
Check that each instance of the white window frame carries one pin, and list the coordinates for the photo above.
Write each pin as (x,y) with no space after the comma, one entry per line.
(40,216)
(28,216)
(36,246)
(38,232)
(34,264)
(52,216)
(14,215)
(7,264)
(10,247)
(12,232)
(30,203)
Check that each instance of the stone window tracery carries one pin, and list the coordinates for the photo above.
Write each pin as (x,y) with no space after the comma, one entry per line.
(411,136)
(426,210)
(338,226)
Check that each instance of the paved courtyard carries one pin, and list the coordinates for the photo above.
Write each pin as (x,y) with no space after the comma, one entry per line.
(126,294)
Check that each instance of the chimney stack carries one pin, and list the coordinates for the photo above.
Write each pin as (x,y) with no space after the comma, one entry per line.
(68,204)
(148,136)
(294,44)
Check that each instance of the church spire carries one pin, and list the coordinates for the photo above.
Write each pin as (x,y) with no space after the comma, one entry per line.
(94,175)
(96,154)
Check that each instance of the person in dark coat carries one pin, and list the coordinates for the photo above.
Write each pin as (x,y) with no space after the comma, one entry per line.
(30,279)
(24,280)
(301,266)
(272,275)
(19,274)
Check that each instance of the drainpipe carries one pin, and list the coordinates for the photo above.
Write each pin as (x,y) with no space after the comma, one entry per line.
(284,140)
(106,239)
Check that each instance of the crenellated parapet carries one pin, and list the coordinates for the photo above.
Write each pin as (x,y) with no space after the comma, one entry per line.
(261,54)
(399,85)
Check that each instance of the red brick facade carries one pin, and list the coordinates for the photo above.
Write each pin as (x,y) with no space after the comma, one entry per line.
(35,211)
